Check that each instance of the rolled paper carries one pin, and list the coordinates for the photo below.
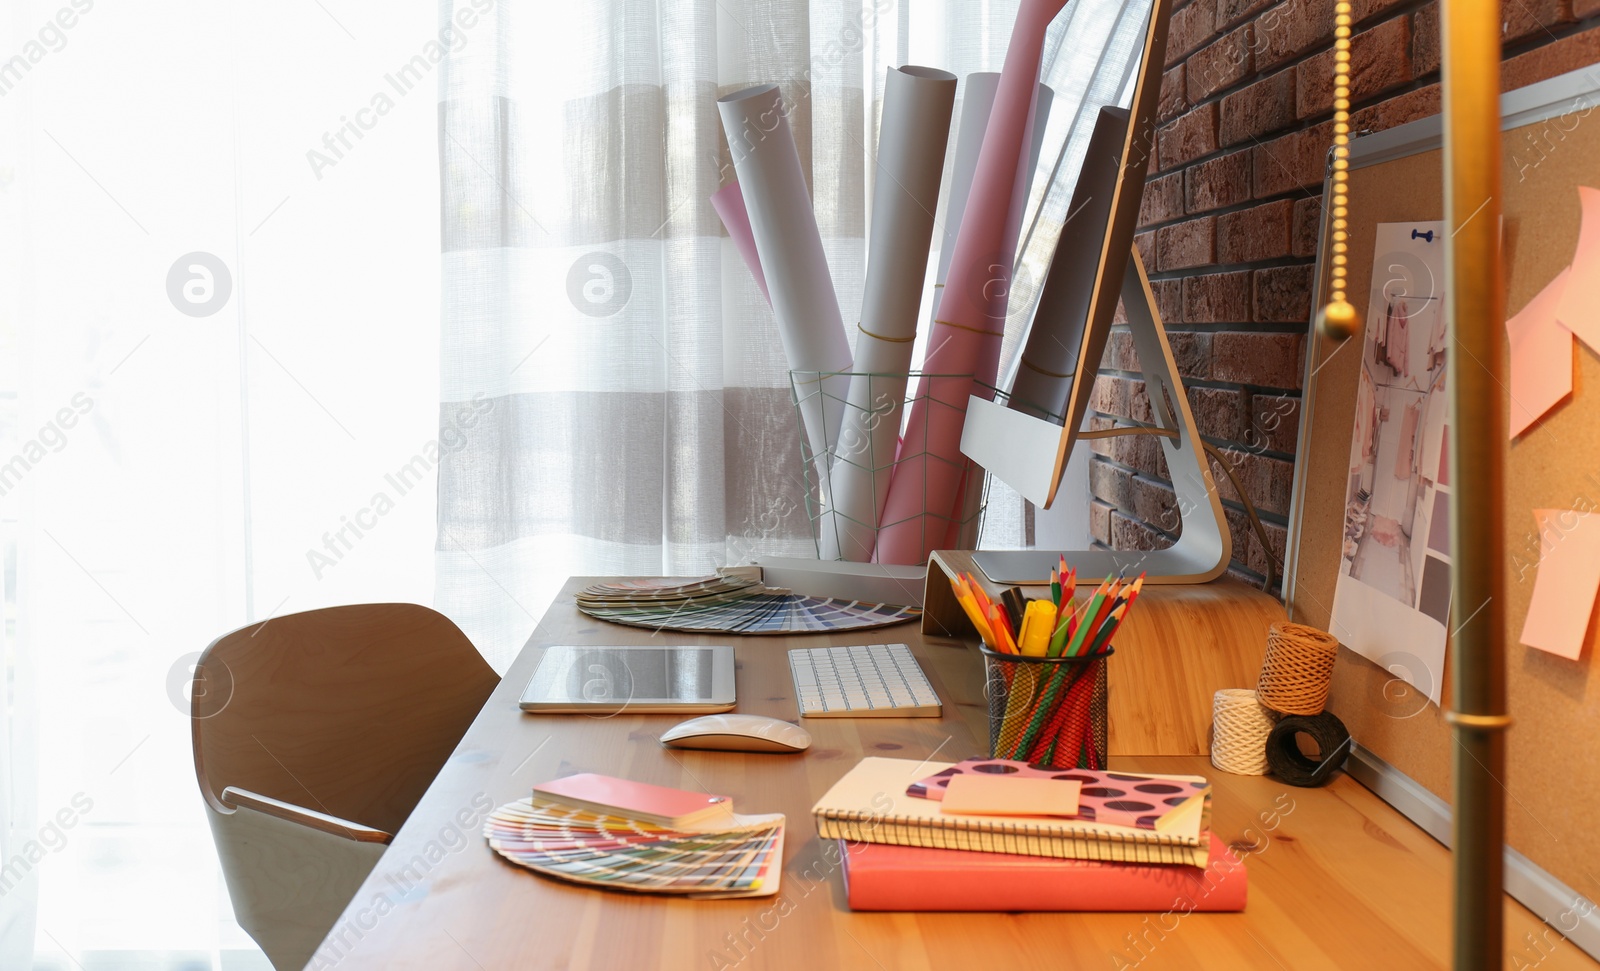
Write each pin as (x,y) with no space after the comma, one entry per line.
(728,201)
(912,137)
(1050,355)
(923,491)
(977,102)
(789,247)
(963,531)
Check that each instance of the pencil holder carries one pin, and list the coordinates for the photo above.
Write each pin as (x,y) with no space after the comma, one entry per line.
(1048,711)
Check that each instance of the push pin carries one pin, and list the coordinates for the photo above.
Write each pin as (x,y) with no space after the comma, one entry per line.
(1420,235)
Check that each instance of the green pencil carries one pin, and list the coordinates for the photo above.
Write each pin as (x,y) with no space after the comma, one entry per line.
(1089,614)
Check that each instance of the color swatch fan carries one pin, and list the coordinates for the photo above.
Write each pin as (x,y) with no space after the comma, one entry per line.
(617,853)
(730,604)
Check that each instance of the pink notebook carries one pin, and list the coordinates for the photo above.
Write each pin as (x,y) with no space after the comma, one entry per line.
(882,877)
(610,796)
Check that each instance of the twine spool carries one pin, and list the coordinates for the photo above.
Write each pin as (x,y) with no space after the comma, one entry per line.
(1240,727)
(1294,766)
(1298,669)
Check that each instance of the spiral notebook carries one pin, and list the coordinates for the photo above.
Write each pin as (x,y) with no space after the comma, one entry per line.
(870,805)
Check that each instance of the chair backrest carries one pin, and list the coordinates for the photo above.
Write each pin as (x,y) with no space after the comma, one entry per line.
(349,711)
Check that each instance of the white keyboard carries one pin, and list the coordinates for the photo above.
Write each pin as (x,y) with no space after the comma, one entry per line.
(864,681)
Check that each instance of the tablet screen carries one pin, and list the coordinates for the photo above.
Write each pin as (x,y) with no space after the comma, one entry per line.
(622,677)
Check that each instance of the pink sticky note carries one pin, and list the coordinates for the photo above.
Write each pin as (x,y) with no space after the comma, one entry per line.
(1569,577)
(1579,307)
(1541,356)
(997,795)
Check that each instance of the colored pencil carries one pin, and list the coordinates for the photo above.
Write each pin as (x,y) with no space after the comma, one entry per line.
(1086,622)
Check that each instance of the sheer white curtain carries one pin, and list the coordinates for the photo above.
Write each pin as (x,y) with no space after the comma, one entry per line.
(165,477)
(628,397)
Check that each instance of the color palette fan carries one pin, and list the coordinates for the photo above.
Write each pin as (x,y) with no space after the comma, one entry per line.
(618,853)
(731,604)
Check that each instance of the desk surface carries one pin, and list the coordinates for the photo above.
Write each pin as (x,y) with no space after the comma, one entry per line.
(1337,878)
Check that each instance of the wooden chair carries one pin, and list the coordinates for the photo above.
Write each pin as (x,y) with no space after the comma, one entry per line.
(315,734)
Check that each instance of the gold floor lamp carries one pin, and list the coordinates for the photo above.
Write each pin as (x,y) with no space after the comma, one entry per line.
(1476,313)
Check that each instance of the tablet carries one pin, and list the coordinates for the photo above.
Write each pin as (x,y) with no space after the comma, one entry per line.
(638,679)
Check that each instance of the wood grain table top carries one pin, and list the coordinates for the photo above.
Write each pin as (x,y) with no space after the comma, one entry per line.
(1338,879)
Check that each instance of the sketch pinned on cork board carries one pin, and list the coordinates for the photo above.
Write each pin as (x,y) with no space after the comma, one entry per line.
(1392,601)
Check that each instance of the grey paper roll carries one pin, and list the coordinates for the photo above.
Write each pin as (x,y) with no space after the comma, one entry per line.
(912,137)
(1050,355)
(790,247)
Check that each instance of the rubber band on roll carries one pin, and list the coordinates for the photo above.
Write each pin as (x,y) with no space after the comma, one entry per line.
(1240,728)
(1295,767)
(1047,373)
(975,330)
(1298,669)
(883,337)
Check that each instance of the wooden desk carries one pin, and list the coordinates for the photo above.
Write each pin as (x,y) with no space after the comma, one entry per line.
(1338,880)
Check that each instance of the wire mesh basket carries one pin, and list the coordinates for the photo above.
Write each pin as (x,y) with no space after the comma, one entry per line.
(859,434)
(1049,711)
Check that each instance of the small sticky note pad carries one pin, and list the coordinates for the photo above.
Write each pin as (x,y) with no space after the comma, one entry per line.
(1541,357)
(998,795)
(1569,576)
(1579,306)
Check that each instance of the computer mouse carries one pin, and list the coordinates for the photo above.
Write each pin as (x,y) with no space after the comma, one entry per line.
(737,733)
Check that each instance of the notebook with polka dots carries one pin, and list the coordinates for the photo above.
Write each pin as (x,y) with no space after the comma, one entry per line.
(1139,800)
(871,805)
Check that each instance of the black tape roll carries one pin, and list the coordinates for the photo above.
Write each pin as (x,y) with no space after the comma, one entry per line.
(1294,767)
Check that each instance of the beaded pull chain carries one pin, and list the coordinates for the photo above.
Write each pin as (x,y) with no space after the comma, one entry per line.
(1339,319)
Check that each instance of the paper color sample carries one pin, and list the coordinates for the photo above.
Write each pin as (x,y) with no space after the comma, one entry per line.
(923,491)
(674,808)
(1579,307)
(728,201)
(1541,357)
(1003,796)
(790,248)
(1569,577)
(912,136)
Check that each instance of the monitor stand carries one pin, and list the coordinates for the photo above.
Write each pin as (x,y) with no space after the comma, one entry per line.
(1022,451)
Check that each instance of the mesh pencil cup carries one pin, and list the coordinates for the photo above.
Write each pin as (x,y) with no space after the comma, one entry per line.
(1048,711)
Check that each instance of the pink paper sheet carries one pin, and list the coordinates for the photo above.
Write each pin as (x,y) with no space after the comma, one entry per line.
(1541,357)
(1569,577)
(1579,306)
(972,310)
(728,201)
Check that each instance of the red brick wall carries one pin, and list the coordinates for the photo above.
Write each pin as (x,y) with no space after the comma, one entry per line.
(1229,227)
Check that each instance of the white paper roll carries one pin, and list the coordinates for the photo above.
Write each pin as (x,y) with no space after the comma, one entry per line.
(796,270)
(912,137)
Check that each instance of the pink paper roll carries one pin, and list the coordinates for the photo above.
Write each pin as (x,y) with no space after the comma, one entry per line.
(966,337)
(728,201)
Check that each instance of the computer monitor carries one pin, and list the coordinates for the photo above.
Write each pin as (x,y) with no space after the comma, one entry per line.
(1025,439)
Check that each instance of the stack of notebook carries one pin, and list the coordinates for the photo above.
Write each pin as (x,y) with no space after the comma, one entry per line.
(988,834)
(614,834)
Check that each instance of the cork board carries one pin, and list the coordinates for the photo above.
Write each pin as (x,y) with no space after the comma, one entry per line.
(1552,145)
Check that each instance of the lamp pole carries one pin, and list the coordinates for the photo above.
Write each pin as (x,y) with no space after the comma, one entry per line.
(1476,307)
